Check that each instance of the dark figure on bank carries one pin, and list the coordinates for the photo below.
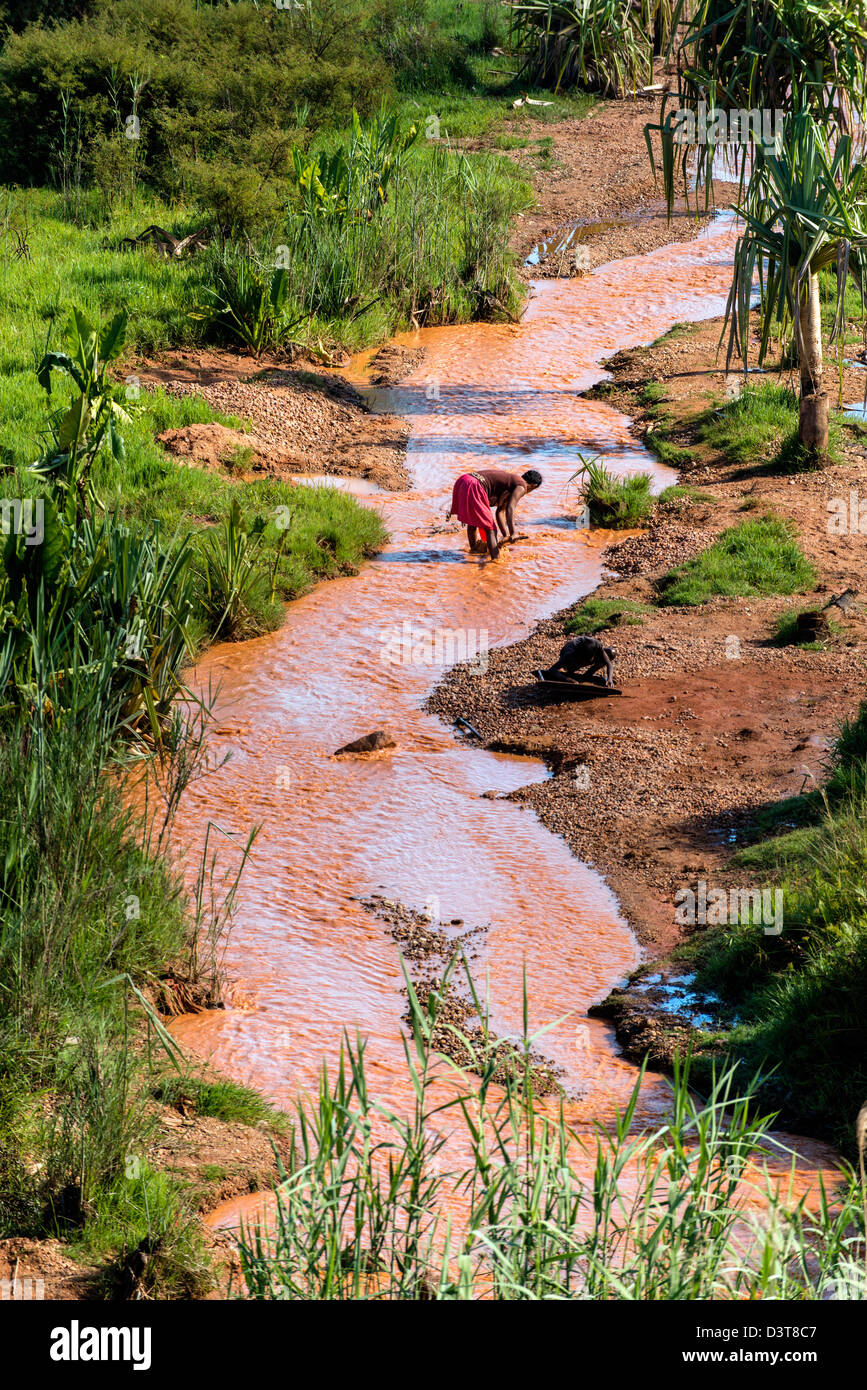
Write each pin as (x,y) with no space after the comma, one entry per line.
(843,601)
(477,496)
(582,656)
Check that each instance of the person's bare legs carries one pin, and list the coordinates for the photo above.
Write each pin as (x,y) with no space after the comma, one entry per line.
(493,548)
(472,538)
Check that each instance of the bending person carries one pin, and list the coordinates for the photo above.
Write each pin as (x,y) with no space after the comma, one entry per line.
(583,655)
(477,496)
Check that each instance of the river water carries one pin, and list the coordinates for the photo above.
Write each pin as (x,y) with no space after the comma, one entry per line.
(308,962)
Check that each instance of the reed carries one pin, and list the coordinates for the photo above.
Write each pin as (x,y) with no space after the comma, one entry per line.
(360,1209)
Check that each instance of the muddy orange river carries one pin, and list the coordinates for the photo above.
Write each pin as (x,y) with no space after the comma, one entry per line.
(307,961)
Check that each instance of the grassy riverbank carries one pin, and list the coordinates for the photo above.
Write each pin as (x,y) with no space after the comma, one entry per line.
(794,1002)
(801,998)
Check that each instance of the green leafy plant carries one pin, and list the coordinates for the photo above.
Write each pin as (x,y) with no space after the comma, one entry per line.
(805,210)
(94,416)
(613,501)
(353,179)
(602,45)
(247,302)
(231,573)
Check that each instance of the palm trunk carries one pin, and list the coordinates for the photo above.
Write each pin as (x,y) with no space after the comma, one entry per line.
(813,427)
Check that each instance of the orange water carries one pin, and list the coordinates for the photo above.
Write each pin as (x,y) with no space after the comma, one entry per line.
(308,962)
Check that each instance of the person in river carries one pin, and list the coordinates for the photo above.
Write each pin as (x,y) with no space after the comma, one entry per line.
(583,655)
(477,496)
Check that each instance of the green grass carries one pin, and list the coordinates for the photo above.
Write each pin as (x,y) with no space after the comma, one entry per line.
(801,998)
(598,614)
(751,560)
(146,1215)
(614,502)
(524,1237)
(221,1100)
(329,533)
(760,428)
(213,1172)
(680,495)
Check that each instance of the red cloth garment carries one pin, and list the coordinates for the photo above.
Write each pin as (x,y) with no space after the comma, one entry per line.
(470,503)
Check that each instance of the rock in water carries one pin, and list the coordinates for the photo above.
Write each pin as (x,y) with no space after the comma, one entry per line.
(368,744)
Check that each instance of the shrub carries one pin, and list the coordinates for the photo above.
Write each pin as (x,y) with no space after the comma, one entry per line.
(614,502)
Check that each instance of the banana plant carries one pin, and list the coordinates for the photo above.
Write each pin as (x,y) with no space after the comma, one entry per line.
(93,417)
(354,179)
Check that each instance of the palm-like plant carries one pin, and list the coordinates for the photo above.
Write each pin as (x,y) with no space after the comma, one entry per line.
(760,55)
(604,45)
(93,417)
(805,210)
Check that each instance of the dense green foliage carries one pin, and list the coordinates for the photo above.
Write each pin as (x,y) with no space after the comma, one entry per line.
(801,997)
(602,45)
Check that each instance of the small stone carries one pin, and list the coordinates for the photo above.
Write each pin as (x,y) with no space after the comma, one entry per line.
(370,743)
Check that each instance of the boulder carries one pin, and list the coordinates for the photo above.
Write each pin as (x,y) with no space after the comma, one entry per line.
(370,743)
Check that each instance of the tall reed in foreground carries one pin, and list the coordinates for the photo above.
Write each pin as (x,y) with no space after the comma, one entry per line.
(362,1210)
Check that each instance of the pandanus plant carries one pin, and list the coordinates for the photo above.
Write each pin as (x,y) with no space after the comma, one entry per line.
(805,211)
(754,58)
(604,45)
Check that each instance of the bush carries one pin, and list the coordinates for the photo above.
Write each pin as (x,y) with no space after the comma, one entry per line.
(612,501)
(223,81)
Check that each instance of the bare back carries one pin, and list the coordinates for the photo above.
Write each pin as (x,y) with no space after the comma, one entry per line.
(500,484)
